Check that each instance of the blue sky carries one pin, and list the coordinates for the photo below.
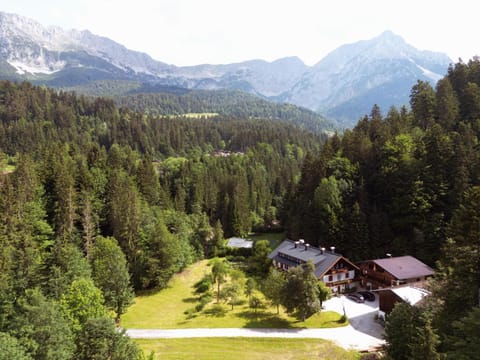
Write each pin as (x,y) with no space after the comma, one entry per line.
(188,32)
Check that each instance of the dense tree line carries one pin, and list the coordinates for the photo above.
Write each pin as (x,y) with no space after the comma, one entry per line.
(407,183)
(104,201)
(392,183)
(233,104)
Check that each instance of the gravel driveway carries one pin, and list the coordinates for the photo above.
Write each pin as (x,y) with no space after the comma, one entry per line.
(363,333)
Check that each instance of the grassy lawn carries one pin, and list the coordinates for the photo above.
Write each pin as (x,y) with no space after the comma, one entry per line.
(275,238)
(245,348)
(166,310)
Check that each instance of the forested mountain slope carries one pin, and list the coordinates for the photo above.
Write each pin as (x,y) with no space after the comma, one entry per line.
(90,185)
(236,104)
(86,186)
(343,84)
(408,183)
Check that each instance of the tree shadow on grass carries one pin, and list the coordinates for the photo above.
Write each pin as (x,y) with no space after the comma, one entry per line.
(190,300)
(216,311)
(265,320)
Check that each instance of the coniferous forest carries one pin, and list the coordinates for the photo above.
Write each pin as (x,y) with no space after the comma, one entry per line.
(407,183)
(87,186)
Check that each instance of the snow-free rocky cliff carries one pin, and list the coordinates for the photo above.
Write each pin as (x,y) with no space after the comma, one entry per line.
(344,85)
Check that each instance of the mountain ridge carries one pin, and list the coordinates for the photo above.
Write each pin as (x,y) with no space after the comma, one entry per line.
(72,58)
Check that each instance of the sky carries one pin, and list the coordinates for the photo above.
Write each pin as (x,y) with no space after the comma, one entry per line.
(191,32)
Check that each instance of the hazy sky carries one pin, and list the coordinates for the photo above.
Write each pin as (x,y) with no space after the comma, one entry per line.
(187,32)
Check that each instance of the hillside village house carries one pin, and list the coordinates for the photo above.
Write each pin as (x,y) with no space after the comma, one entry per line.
(336,271)
(394,271)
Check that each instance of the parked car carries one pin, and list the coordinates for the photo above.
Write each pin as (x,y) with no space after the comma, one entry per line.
(367,295)
(356,297)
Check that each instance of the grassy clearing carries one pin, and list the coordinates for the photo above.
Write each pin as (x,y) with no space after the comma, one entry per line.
(195,115)
(7,169)
(245,348)
(275,238)
(166,310)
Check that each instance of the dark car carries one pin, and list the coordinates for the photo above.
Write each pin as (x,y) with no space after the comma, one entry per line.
(356,297)
(367,295)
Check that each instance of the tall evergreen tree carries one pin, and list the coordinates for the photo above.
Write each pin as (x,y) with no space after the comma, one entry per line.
(423,103)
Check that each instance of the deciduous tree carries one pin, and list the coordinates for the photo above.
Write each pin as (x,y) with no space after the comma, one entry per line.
(220,270)
(301,292)
(110,274)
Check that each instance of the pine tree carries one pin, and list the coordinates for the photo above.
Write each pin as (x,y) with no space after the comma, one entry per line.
(448,107)
(423,104)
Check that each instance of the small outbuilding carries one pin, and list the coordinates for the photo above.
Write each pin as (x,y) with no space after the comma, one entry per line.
(239,243)
(387,298)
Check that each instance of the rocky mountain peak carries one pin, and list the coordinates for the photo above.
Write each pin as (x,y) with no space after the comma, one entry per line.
(344,84)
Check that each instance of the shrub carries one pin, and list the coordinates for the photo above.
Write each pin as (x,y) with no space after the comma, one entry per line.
(203,285)
(204,300)
(190,313)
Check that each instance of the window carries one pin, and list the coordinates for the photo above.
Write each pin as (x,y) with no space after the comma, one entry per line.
(347,275)
(330,277)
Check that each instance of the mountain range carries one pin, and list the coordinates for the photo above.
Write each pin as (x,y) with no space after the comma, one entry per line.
(343,86)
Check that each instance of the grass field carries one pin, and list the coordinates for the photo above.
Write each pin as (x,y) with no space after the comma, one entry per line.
(245,348)
(275,238)
(166,310)
(195,115)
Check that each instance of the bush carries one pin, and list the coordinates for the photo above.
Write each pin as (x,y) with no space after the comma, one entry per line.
(236,258)
(206,298)
(203,285)
(255,302)
(190,313)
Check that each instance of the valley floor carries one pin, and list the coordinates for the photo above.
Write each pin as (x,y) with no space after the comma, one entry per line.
(347,337)
(363,333)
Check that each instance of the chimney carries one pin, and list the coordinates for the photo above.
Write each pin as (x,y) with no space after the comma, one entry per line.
(307,246)
(322,250)
(332,248)
(296,244)
(301,241)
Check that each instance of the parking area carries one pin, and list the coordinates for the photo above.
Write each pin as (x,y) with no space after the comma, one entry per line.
(361,315)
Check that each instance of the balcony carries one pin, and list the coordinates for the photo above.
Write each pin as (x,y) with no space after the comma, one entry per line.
(339,271)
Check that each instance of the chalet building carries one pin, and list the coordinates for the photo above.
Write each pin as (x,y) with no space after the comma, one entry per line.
(393,271)
(336,271)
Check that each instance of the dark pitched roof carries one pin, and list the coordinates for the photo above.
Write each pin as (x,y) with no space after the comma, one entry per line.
(323,260)
(404,267)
